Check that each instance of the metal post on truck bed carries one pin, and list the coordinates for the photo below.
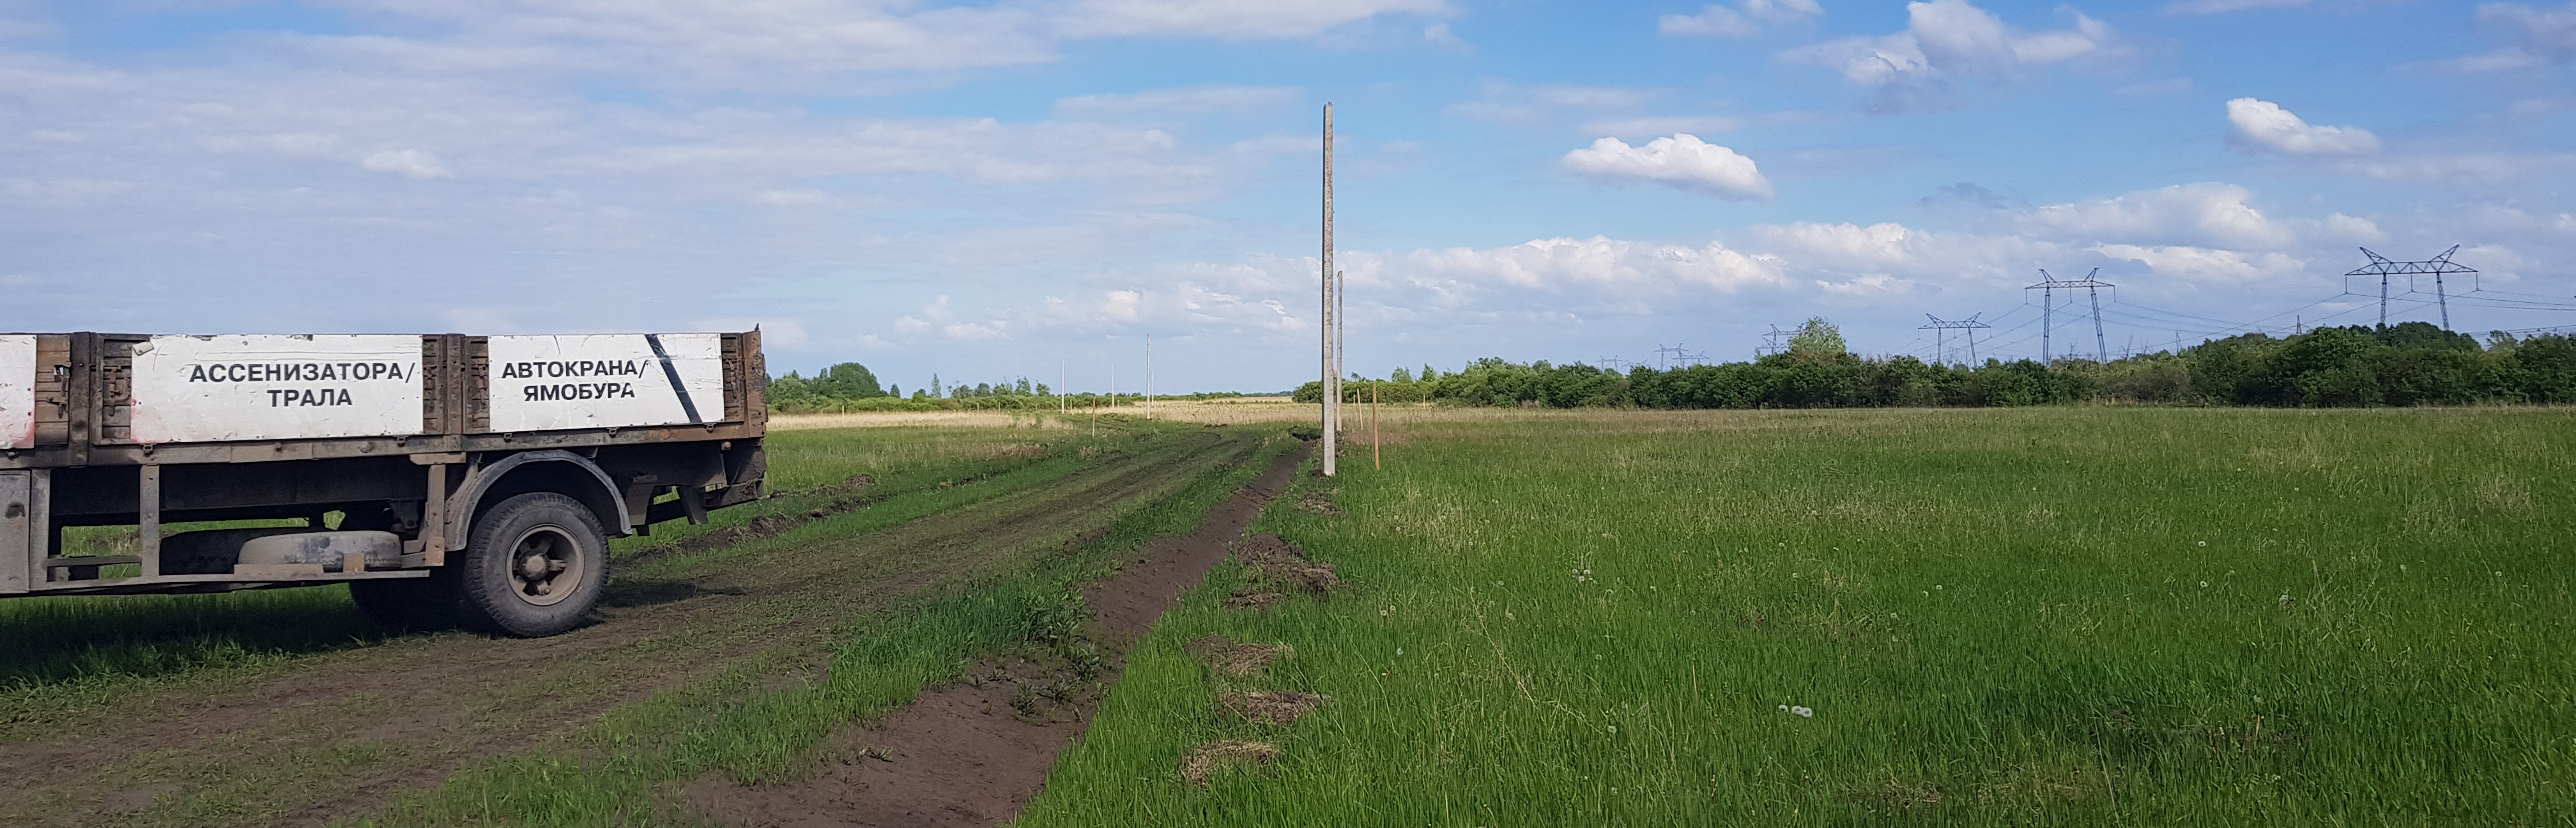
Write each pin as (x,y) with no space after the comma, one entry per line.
(147,516)
(433,525)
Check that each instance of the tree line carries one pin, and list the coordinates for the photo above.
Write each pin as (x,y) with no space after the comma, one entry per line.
(850,386)
(2413,363)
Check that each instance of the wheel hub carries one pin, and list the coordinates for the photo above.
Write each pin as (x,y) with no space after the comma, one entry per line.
(545,563)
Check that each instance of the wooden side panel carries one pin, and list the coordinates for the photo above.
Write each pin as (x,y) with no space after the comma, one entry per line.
(53,389)
(755,386)
(735,382)
(116,388)
(435,402)
(477,384)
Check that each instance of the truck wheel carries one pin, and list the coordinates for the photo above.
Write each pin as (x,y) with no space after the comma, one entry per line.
(533,566)
(408,604)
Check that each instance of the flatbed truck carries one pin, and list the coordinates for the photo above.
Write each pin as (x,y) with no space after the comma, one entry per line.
(449,480)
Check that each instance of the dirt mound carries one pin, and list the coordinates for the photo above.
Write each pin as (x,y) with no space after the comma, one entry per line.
(1225,657)
(1319,503)
(1206,760)
(1279,567)
(1280,707)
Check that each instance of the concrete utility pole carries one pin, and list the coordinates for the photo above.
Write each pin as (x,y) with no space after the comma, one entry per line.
(1332,311)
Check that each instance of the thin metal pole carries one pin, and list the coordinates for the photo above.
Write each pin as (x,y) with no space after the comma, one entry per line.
(1332,321)
(1374,460)
(1149,376)
(147,532)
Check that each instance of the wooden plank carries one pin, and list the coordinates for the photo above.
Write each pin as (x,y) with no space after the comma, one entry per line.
(735,381)
(148,514)
(115,382)
(476,383)
(433,373)
(53,384)
(17,529)
(433,520)
(82,392)
(755,394)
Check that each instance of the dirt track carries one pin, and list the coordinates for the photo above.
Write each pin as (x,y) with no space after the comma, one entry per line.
(960,755)
(337,735)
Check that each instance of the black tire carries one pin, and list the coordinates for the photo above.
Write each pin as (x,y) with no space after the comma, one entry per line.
(408,604)
(532,567)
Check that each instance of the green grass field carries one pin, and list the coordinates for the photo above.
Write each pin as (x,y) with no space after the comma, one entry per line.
(2049,616)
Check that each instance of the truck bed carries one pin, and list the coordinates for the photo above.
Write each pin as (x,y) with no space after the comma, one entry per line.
(129,429)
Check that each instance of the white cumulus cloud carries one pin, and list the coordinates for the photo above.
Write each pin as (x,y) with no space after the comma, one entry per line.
(1243,19)
(1945,42)
(2263,126)
(409,163)
(1205,98)
(1720,21)
(1682,161)
(2206,213)
(2224,6)
(2207,264)
(1601,261)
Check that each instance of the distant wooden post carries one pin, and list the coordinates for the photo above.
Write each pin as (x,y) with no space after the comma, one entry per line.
(1374,462)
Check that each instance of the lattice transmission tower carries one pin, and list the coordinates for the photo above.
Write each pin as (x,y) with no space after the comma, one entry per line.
(1777,341)
(1941,329)
(2048,287)
(2381,267)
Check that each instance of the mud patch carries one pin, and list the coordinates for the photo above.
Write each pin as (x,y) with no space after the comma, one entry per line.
(1224,657)
(1320,503)
(976,751)
(1896,796)
(1251,598)
(1279,707)
(1279,567)
(1207,760)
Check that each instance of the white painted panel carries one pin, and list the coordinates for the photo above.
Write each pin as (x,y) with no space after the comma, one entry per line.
(17,390)
(276,387)
(541,383)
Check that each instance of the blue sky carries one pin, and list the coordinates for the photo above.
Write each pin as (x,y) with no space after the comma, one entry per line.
(994,190)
